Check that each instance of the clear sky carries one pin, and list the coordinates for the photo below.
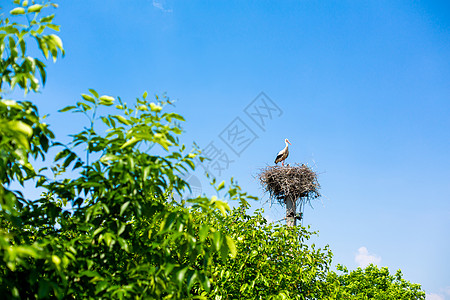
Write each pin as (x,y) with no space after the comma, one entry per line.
(360,88)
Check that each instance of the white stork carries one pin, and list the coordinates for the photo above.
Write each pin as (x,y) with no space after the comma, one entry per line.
(283,154)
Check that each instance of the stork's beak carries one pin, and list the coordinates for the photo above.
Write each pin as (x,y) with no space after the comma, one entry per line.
(289,142)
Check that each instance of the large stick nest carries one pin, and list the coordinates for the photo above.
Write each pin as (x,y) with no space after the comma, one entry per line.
(298,182)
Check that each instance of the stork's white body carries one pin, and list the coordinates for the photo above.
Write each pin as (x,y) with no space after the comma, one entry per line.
(283,154)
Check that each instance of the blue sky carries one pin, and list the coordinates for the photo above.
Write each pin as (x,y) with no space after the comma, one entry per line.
(362,87)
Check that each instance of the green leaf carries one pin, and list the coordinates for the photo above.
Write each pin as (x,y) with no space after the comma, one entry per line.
(35,8)
(50,43)
(23,142)
(107,157)
(43,46)
(155,108)
(26,250)
(168,268)
(17,11)
(130,142)
(41,67)
(85,106)
(57,40)
(121,230)
(97,231)
(23,49)
(205,282)
(123,207)
(67,108)
(168,222)
(11,103)
(47,19)
(216,240)
(106,100)
(203,232)
(171,116)
(231,246)
(54,27)
(221,186)
(191,278)
(94,92)
(56,260)
(62,154)
(89,273)
(69,159)
(222,206)
(181,274)
(21,127)
(88,98)
(122,120)
(101,286)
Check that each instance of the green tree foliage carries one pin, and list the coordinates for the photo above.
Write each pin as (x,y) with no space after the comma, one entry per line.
(16,67)
(276,262)
(106,224)
(112,229)
(373,283)
(273,261)
(22,132)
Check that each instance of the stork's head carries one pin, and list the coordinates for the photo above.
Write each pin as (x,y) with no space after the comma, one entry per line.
(287,141)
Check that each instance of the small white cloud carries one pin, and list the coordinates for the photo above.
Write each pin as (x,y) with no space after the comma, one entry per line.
(159,4)
(442,295)
(363,258)
(434,297)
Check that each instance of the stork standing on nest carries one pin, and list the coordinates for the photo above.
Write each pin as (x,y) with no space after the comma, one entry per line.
(283,154)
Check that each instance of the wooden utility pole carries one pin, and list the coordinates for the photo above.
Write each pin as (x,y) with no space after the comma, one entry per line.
(291,208)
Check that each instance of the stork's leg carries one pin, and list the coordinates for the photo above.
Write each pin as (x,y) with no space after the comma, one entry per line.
(282,163)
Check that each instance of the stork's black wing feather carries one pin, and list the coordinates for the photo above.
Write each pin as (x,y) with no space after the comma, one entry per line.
(278,157)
